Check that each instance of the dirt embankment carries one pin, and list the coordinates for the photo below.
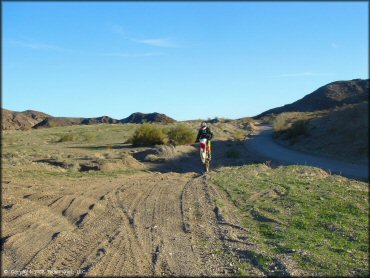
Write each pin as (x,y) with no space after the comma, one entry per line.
(342,134)
(264,145)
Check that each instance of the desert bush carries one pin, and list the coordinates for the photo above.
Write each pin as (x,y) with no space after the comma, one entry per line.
(239,135)
(268,119)
(227,120)
(52,123)
(68,137)
(128,140)
(148,135)
(299,128)
(89,137)
(280,123)
(74,166)
(181,135)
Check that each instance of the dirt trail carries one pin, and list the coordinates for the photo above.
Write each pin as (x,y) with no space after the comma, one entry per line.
(167,220)
(263,144)
(147,224)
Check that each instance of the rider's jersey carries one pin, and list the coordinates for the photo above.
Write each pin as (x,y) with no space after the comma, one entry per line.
(204,133)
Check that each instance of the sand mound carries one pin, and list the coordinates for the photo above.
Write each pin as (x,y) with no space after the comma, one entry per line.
(168,153)
(130,162)
(126,162)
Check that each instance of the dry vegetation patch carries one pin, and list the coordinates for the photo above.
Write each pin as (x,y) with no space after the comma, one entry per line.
(341,133)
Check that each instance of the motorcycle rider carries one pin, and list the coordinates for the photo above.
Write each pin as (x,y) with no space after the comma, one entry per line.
(205,132)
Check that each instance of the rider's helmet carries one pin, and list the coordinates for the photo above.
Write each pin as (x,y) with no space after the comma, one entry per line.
(203,125)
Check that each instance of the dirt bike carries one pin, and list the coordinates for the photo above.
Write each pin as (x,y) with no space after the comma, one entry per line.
(204,154)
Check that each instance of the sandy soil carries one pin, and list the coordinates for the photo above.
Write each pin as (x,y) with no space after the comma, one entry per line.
(162,221)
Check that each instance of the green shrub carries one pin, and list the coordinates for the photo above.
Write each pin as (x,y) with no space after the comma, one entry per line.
(52,123)
(68,137)
(299,128)
(89,137)
(268,119)
(148,135)
(181,135)
(280,123)
(239,135)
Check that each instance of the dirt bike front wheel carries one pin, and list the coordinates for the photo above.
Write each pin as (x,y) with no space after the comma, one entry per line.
(206,165)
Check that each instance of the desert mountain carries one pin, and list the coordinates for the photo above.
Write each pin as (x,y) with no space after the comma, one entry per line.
(68,121)
(326,97)
(99,120)
(12,120)
(58,121)
(21,120)
(139,118)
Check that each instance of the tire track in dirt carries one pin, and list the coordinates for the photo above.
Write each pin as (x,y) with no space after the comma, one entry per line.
(143,224)
(67,247)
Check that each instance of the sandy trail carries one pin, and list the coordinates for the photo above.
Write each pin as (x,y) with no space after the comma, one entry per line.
(147,224)
(263,144)
(168,221)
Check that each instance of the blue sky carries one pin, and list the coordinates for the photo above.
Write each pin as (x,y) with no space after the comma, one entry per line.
(187,60)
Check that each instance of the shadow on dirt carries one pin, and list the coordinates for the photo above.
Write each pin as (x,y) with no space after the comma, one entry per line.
(105,147)
(224,153)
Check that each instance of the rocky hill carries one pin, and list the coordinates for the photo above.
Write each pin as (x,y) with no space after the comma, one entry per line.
(58,121)
(12,120)
(28,119)
(99,120)
(139,118)
(326,97)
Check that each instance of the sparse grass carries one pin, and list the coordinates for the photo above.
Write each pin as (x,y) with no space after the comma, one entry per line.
(89,137)
(284,121)
(292,124)
(320,221)
(68,137)
(78,144)
(239,135)
(82,137)
(341,133)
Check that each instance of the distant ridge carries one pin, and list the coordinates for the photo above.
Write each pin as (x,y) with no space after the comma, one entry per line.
(12,120)
(139,118)
(99,120)
(326,97)
(21,120)
(58,121)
